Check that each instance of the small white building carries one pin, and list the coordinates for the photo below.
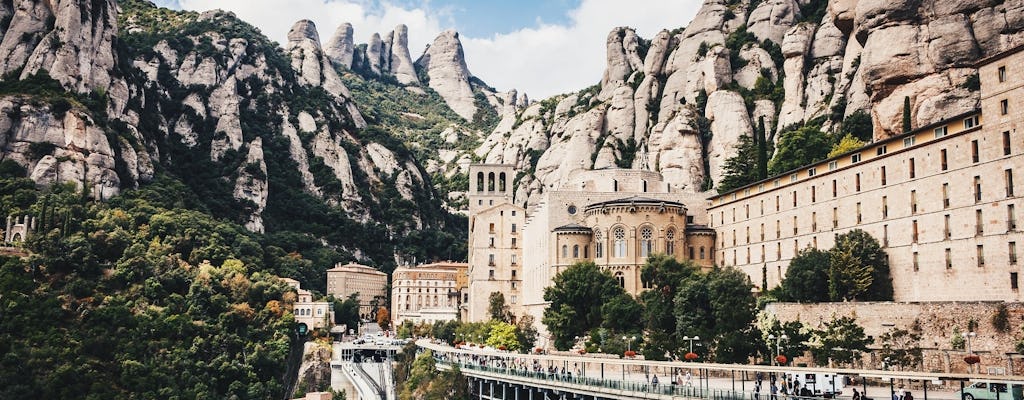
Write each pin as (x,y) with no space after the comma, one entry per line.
(315,314)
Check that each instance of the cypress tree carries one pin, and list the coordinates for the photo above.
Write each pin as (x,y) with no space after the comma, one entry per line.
(906,114)
(762,150)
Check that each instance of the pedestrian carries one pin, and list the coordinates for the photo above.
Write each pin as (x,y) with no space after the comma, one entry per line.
(908,396)
(679,378)
(689,379)
(774,391)
(654,381)
(856,394)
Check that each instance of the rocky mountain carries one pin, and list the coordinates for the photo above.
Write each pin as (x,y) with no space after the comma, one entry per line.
(110,95)
(679,102)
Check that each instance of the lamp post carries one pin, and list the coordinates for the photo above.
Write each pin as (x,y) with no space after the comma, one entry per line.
(629,342)
(778,341)
(691,339)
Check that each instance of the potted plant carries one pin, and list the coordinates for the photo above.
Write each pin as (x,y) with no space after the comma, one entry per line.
(629,354)
(690,356)
(781,359)
(538,350)
(502,347)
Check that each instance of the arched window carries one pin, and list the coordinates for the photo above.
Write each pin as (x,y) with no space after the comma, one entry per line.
(645,186)
(490,182)
(670,242)
(575,251)
(480,182)
(619,235)
(620,278)
(598,244)
(501,182)
(701,252)
(565,251)
(646,241)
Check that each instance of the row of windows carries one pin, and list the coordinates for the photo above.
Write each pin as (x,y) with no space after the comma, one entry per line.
(1008,191)
(979,225)
(307,312)
(912,169)
(1011,254)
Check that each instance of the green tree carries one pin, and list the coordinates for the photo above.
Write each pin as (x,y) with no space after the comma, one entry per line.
(796,334)
(762,149)
(858,125)
(847,144)
(901,347)
(841,341)
(665,274)
(503,335)
(906,114)
(718,306)
(497,307)
(868,254)
(742,168)
(620,313)
(347,312)
(848,277)
(806,276)
(799,147)
(576,295)
(526,333)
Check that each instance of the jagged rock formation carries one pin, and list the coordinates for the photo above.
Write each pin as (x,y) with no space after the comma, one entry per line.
(389,56)
(341,47)
(445,64)
(243,124)
(679,102)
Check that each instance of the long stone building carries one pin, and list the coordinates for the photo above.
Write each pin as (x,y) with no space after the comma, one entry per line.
(940,199)
(427,293)
(369,284)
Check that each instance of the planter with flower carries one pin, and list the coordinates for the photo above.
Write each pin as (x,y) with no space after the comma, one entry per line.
(690,356)
(629,354)
(781,359)
(972,359)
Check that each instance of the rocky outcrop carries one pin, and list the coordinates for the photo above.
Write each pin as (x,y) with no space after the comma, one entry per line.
(251,185)
(341,47)
(401,63)
(445,64)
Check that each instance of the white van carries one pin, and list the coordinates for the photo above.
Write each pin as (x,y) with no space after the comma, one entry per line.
(822,384)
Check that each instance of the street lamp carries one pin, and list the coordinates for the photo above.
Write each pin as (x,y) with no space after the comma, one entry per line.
(777,340)
(969,336)
(691,339)
(629,342)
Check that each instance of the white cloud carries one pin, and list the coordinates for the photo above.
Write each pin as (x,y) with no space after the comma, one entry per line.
(540,61)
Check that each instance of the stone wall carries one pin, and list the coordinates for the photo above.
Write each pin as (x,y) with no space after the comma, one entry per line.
(937,321)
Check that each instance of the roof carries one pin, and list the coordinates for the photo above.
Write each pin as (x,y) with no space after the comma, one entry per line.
(353,267)
(637,200)
(998,56)
(573,228)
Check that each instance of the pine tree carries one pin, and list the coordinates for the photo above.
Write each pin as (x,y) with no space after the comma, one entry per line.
(740,169)
(906,114)
(762,150)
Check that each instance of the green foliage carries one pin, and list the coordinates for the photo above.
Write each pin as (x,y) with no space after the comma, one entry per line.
(718,306)
(735,42)
(741,169)
(957,342)
(497,308)
(848,277)
(858,125)
(762,149)
(1001,318)
(702,50)
(627,152)
(907,124)
(841,341)
(576,295)
(798,148)
(847,144)
(901,347)
(972,83)
(813,11)
(658,317)
(865,251)
(797,335)
(503,336)
(347,312)
(526,333)
(806,276)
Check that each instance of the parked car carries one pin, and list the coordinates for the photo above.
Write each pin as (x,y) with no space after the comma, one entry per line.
(992,390)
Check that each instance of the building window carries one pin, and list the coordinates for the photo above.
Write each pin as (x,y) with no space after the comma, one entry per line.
(762,232)
(794,198)
(916,266)
(734,236)
(513,243)
(977,189)
(793,177)
(693,253)
(814,221)
(881,150)
(979,223)
(621,279)
(598,244)
(832,165)
(1013,280)
(907,142)
(834,188)
(981,255)
(814,194)
(971,122)
(778,251)
(513,260)
(646,242)
(670,243)
(859,219)
(491,227)
(1006,143)
(1002,74)
(762,253)
(491,244)
(619,236)
(949,258)
(974,151)
(1004,106)
(701,252)
(855,158)
(1012,248)
(615,185)
(883,175)
(857,177)
(945,195)
(513,228)
(913,235)
(1008,179)
(835,217)
(794,225)
(913,202)
(885,235)
(776,203)
(940,131)
(885,207)
(565,251)
(942,154)
(778,229)
(946,233)
(586,251)
(1011,218)
(575,251)
(490,274)
(490,259)
(810,172)
(913,168)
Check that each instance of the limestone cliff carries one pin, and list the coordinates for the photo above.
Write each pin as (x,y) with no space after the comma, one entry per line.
(679,102)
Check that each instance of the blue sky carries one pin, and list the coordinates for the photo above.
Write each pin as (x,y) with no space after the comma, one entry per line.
(539,47)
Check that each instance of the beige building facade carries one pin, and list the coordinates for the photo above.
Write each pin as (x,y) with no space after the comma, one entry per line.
(942,200)
(495,241)
(427,293)
(315,314)
(369,283)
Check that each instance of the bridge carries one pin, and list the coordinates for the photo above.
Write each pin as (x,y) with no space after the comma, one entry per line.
(366,367)
(496,375)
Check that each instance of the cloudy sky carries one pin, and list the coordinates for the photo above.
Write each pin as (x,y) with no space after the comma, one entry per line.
(541,47)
